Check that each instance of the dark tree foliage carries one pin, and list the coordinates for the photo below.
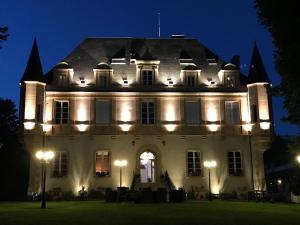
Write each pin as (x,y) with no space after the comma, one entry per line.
(3,34)
(14,160)
(282,20)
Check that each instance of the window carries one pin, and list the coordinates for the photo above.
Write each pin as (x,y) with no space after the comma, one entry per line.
(253,113)
(147,113)
(102,163)
(234,163)
(232,112)
(193,163)
(102,80)
(229,81)
(61,112)
(192,112)
(102,112)
(60,168)
(147,77)
(39,113)
(190,79)
(63,80)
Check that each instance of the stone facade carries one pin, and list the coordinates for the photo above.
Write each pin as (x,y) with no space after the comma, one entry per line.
(202,108)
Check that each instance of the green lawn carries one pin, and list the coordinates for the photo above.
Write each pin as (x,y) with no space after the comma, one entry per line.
(189,213)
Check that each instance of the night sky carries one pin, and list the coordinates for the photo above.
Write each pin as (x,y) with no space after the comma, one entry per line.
(226,27)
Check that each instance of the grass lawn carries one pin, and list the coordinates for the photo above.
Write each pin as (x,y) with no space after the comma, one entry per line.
(189,213)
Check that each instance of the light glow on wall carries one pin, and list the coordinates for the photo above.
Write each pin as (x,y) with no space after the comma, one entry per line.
(30,101)
(81,112)
(125,110)
(46,127)
(215,189)
(29,125)
(212,110)
(264,125)
(170,109)
(245,111)
(263,106)
(247,127)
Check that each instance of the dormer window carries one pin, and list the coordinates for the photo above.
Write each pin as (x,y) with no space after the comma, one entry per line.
(229,81)
(63,80)
(102,73)
(147,77)
(190,80)
(102,80)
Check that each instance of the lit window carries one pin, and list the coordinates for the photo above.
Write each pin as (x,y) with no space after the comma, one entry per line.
(192,112)
(147,113)
(147,77)
(229,81)
(232,112)
(193,163)
(61,112)
(102,163)
(60,168)
(103,112)
(234,163)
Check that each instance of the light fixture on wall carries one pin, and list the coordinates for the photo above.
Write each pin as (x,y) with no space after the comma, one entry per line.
(125,81)
(170,127)
(29,125)
(125,127)
(213,127)
(247,127)
(81,126)
(82,82)
(170,82)
(46,127)
(265,125)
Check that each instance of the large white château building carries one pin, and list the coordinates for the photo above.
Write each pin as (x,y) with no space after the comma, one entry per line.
(163,104)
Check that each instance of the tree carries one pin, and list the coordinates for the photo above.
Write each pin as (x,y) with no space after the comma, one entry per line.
(14,160)
(3,34)
(282,20)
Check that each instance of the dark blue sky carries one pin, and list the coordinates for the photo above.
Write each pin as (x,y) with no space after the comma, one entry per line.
(226,27)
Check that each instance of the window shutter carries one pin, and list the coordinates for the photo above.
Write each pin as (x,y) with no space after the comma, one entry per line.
(102,112)
(192,112)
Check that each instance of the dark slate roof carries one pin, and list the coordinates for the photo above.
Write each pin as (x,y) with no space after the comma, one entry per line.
(257,72)
(167,50)
(147,56)
(33,71)
(120,54)
(184,55)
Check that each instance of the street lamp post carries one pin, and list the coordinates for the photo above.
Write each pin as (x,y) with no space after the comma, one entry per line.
(209,165)
(120,164)
(44,157)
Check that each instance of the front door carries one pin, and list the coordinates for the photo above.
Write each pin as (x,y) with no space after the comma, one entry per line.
(147,167)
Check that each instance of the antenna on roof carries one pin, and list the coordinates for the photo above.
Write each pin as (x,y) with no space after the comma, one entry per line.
(158,17)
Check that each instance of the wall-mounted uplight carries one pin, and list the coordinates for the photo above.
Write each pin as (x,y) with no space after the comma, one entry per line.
(46,127)
(125,81)
(82,82)
(125,127)
(29,125)
(170,127)
(247,127)
(82,127)
(264,125)
(170,82)
(213,127)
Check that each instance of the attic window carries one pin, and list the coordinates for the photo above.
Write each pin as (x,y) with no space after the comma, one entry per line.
(212,61)
(120,61)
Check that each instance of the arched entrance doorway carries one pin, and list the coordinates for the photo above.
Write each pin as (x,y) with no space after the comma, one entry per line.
(147,167)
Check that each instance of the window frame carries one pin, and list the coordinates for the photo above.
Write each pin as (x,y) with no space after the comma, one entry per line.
(146,82)
(59,173)
(237,171)
(109,101)
(233,120)
(61,118)
(149,120)
(194,173)
(103,174)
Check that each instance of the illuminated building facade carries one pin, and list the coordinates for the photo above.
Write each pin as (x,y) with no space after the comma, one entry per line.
(164,105)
